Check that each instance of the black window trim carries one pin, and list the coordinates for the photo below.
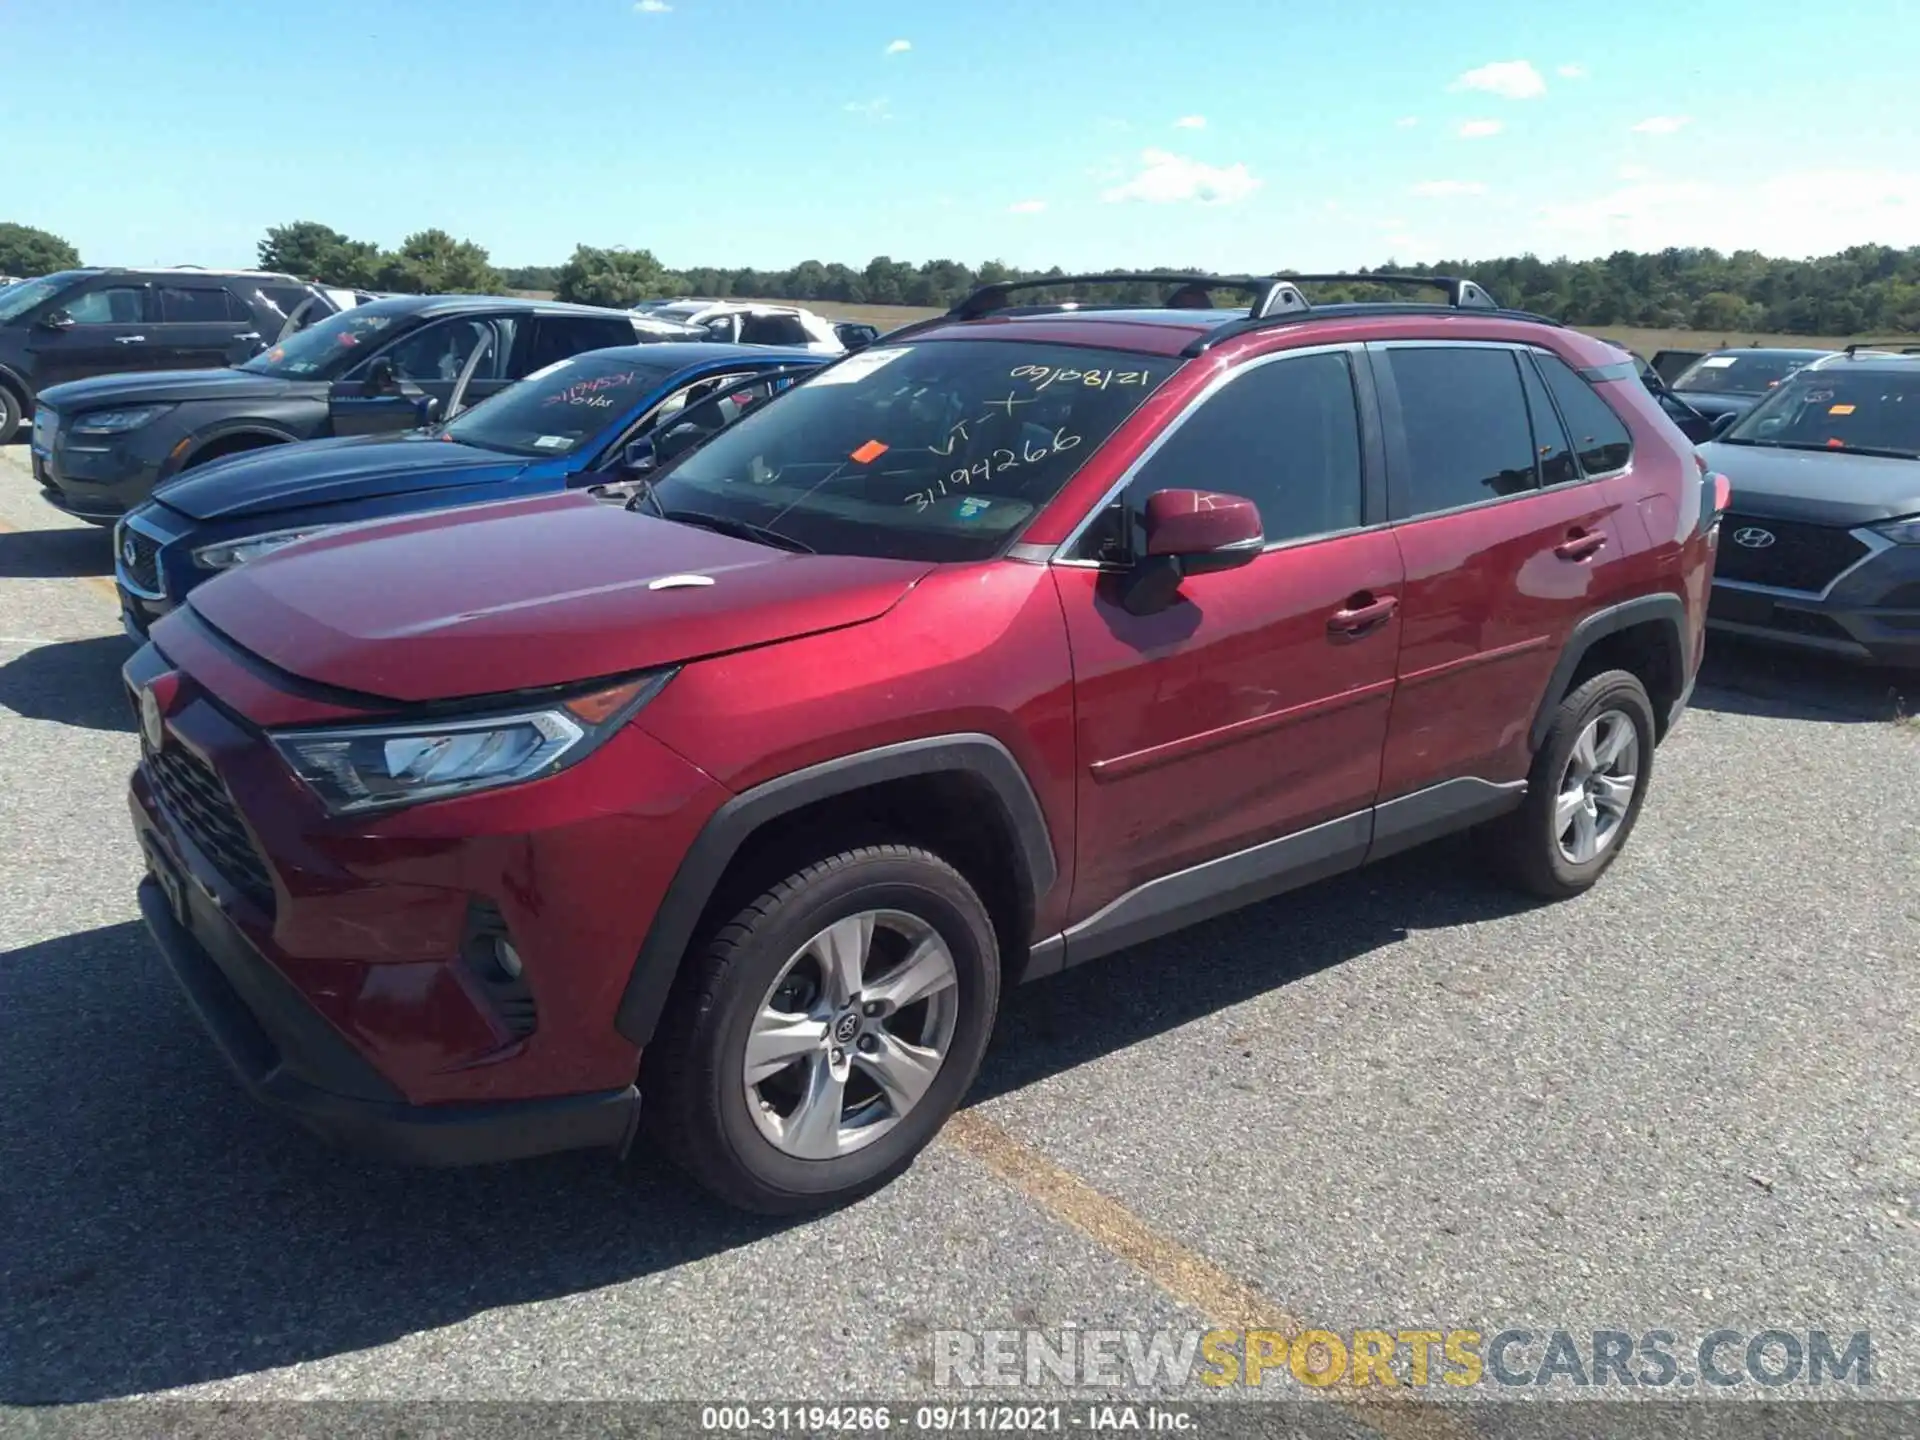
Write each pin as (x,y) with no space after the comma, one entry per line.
(1373,479)
(1396,435)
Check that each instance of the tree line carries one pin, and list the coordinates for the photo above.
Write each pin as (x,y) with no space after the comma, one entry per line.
(1865,290)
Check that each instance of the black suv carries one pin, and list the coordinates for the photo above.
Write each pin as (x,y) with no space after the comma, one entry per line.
(100,446)
(77,323)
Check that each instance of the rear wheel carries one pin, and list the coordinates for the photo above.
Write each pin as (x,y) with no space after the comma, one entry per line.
(826,1032)
(9,414)
(1585,790)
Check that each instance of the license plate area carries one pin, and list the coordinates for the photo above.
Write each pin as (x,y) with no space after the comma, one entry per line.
(167,875)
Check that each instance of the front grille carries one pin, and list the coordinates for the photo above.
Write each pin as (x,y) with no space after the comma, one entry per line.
(198,803)
(138,556)
(1801,557)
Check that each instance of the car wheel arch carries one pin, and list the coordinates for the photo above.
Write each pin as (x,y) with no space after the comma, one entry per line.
(220,443)
(972,758)
(1663,616)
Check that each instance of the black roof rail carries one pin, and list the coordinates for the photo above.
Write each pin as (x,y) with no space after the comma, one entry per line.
(1882,347)
(1268,295)
(1461,293)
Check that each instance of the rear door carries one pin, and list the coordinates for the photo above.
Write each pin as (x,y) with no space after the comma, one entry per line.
(1244,711)
(201,325)
(110,332)
(1508,543)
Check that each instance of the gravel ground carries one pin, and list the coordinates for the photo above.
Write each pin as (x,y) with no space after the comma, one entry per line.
(1403,1099)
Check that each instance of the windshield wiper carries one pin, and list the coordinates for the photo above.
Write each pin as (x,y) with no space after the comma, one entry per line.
(738,529)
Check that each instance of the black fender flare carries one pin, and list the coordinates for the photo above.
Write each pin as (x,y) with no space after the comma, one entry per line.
(729,827)
(1665,608)
(261,429)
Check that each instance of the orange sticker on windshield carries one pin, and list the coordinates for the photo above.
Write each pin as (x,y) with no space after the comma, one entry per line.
(1840,410)
(869,452)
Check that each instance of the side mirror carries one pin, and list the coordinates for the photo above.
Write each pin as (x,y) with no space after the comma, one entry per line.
(1722,424)
(427,407)
(378,379)
(58,320)
(638,455)
(1191,532)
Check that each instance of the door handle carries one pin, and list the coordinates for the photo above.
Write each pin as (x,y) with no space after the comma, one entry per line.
(249,335)
(1580,545)
(1362,613)
(129,339)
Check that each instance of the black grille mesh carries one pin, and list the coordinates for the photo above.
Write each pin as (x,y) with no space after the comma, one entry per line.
(1801,557)
(198,803)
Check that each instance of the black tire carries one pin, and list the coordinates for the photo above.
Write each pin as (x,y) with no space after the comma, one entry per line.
(9,414)
(1526,844)
(695,1099)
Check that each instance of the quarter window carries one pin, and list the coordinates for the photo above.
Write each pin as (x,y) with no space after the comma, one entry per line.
(1599,437)
(1284,434)
(1465,418)
(1550,445)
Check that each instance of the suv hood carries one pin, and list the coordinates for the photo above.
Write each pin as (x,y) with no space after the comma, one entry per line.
(323,472)
(162,387)
(1822,487)
(523,594)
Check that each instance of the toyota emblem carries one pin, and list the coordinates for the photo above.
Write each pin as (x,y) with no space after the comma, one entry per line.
(1753,537)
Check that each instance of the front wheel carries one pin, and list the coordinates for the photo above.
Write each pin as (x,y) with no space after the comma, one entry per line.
(1585,790)
(9,414)
(826,1032)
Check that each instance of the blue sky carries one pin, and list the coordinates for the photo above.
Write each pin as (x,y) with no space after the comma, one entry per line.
(1235,134)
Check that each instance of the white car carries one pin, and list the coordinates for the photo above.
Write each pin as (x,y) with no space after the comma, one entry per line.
(743,323)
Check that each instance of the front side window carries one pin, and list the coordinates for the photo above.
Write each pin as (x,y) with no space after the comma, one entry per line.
(17,300)
(112,305)
(1284,434)
(322,350)
(559,410)
(1867,411)
(936,451)
(437,352)
(1467,434)
(1600,437)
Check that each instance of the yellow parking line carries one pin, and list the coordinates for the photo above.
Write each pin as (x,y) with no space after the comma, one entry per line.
(1182,1273)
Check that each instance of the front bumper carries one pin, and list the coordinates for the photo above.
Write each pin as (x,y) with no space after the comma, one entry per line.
(98,483)
(1847,626)
(291,1061)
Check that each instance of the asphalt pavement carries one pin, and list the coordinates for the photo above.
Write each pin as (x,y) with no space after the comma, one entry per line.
(1404,1099)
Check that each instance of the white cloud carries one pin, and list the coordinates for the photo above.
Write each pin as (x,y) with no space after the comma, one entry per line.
(1480,129)
(873,109)
(1407,122)
(1513,79)
(1191,122)
(1634,172)
(1166,179)
(1026,207)
(1448,189)
(1662,124)
(899,47)
(1571,72)
(652,7)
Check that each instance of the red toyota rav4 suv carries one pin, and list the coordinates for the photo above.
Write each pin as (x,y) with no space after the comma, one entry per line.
(1027,634)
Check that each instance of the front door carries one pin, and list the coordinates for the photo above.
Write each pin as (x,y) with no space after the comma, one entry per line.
(1253,707)
(111,332)
(426,364)
(1508,542)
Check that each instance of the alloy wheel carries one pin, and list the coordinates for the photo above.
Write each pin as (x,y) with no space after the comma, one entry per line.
(1597,786)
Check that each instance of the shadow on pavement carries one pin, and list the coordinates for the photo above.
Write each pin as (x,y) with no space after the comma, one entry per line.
(1742,678)
(55,554)
(161,1231)
(70,682)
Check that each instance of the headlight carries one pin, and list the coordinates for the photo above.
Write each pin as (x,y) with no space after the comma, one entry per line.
(377,767)
(117,422)
(229,553)
(1902,532)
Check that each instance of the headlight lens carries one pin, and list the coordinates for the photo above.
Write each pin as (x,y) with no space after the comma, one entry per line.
(229,553)
(118,422)
(378,767)
(1902,532)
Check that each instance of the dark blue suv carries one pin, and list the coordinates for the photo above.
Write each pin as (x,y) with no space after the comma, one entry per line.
(603,419)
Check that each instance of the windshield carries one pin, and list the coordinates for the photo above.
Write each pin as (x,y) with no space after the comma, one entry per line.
(1734,373)
(1839,409)
(324,349)
(557,410)
(16,300)
(938,451)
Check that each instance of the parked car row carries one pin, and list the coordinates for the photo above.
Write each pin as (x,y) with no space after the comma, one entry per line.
(731,726)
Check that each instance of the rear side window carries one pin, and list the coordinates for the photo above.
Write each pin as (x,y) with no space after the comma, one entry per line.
(1549,435)
(558,337)
(773,330)
(1467,434)
(196,305)
(1286,435)
(1600,439)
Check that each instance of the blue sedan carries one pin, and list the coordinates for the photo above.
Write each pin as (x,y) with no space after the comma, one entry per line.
(595,420)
